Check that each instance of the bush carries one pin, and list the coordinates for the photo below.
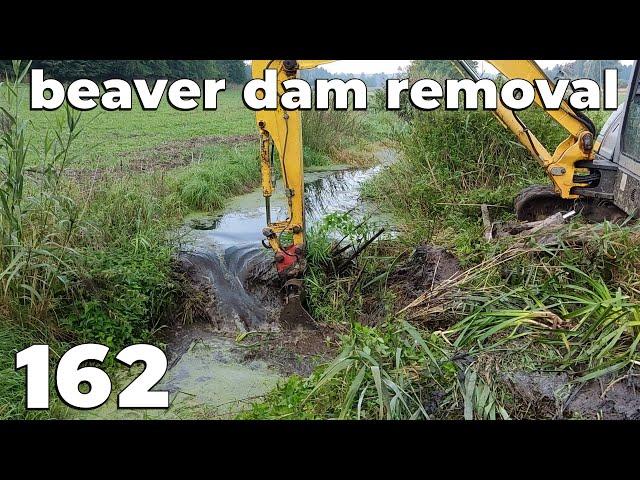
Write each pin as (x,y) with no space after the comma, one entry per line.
(123,296)
(123,286)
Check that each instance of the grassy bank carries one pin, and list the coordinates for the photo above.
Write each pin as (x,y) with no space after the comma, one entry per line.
(566,312)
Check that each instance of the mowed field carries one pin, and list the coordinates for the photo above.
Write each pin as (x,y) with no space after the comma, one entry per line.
(109,138)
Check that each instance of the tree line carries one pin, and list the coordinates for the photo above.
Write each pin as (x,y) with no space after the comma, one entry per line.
(68,70)
(235,71)
(592,69)
(371,80)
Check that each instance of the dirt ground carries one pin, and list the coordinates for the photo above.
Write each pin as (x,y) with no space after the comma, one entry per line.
(552,395)
(428,266)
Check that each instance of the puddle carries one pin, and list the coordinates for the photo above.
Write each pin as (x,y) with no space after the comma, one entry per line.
(212,378)
(210,375)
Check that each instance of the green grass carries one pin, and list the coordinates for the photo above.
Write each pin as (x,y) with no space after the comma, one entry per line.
(92,262)
(110,138)
(224,172)
(451,163)
(518,306)
(14,338)
(570,308)
(12,383)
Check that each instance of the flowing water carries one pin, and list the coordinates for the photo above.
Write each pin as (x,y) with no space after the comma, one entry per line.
(210,374)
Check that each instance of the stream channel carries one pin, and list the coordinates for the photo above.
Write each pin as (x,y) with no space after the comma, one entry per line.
(210,373)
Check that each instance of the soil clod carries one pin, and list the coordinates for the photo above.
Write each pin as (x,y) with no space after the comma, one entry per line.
(428,266)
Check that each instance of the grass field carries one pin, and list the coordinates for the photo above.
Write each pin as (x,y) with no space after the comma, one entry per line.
(110,137)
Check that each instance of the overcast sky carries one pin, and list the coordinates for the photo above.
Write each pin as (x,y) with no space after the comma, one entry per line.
(392,66)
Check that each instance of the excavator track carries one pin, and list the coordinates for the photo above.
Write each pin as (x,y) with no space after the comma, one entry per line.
(538,202)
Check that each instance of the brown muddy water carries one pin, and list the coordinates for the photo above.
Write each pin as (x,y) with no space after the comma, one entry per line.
(219,366)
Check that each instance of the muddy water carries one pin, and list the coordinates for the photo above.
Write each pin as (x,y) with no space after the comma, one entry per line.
(225,251)
(211,375)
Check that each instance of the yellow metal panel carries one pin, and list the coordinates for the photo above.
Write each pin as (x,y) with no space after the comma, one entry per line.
(284,128)
(529,70)
(307,64)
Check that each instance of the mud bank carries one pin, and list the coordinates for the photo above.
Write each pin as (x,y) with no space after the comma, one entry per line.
(553,396)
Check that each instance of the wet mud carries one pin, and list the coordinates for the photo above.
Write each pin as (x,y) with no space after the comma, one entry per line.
(427,266)
(552,395)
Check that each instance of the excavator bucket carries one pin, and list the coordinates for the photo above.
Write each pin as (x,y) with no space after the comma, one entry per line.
(293,315)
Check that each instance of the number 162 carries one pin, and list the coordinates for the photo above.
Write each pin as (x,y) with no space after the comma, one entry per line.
(70,375)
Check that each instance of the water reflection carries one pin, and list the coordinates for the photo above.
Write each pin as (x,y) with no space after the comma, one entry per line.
(221,249)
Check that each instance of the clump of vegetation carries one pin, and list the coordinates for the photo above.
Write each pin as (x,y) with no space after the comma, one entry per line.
(442,178)
(225,172)
(452,162)
(124,287)
(13,338)
(338,275)
(75,264)
(338,136)
(38,219)
(329,131)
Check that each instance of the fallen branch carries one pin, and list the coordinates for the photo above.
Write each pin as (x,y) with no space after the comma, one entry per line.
(357,252)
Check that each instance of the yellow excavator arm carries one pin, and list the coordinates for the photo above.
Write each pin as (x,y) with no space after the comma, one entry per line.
(578,146)
(281,132)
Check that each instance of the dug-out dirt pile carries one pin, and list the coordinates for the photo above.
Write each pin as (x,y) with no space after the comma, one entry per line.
(428,266)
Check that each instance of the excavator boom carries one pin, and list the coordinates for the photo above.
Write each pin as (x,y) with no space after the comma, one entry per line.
(281,134)
(578,146)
